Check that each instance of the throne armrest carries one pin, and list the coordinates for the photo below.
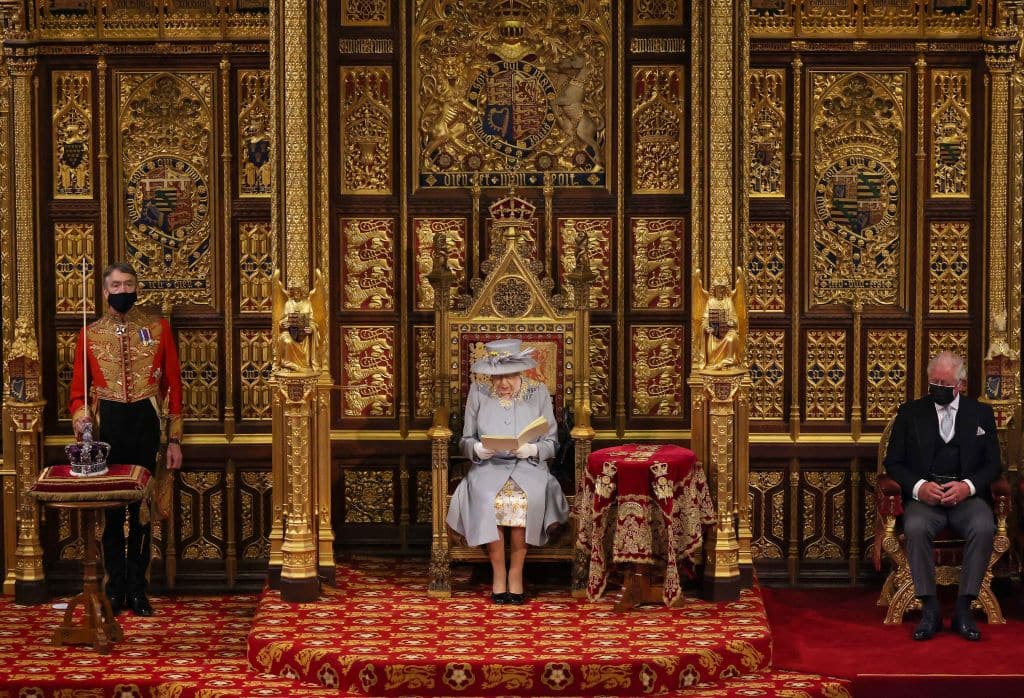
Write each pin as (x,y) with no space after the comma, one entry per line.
(888,497)
(1000,491)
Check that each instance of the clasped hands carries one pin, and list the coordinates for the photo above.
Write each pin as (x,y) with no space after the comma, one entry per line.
(526,451)
(948,494)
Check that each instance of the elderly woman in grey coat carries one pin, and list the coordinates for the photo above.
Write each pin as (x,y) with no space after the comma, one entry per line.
(507,490)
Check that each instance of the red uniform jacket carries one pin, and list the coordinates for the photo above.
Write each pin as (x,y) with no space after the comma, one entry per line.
(131,358)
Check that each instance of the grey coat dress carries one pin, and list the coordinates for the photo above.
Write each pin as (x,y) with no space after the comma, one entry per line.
(472,511)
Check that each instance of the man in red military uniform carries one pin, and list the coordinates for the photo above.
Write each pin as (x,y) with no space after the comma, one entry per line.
(133,365)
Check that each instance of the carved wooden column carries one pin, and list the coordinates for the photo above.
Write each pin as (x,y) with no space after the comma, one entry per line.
(301,539)
(720,400)
(440,433)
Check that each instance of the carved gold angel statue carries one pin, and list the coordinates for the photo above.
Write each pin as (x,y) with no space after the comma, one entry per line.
(300,321)
(720,336)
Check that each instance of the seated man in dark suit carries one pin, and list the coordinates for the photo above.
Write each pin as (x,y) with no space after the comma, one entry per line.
(944,454)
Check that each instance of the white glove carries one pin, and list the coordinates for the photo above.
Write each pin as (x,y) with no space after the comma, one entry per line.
(527,451)
(481,452)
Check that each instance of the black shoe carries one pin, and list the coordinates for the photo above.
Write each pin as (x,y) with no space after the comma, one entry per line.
(931,623)
(515,599)
(963,624)
(116,604)
(500,598)
(140,604)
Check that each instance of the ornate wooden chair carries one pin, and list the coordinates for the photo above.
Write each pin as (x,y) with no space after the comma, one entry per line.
(511,301)
(898,590)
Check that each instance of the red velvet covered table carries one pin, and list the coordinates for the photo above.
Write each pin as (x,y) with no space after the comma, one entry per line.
(58,488)
(643,504)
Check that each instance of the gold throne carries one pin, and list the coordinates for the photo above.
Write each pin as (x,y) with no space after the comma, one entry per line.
(512,300)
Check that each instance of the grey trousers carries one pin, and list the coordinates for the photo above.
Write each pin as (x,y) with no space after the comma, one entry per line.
(971,519)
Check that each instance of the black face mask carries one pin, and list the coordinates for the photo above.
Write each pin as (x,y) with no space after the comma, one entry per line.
(122,302)
(940,394)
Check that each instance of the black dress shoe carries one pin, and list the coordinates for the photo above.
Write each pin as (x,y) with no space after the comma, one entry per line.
(931,623)
(116,604)
(963,624)
(499,598)
(139,605)
(515,599)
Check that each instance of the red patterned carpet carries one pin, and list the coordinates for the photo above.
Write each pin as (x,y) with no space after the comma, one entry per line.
(197,647)
(378,633)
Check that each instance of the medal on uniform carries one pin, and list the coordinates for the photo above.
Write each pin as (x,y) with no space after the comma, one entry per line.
(145,336)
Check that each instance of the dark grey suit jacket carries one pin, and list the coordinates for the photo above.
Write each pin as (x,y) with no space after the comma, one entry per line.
(915,438)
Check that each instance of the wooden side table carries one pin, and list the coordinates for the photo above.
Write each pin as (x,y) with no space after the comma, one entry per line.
(643,506)
(98,627)
(121,485)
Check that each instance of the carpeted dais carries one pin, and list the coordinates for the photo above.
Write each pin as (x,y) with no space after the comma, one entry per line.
(378,633)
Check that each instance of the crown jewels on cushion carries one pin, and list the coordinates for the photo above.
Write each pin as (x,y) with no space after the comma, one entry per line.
(88,457)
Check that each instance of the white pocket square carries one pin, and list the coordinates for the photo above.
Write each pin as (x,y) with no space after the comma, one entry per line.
(981,432)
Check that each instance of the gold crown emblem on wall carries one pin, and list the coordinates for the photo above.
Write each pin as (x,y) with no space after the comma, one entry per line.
(512,210)
(511,9)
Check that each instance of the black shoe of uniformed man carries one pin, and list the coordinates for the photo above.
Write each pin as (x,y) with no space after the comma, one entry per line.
(931,623)
(964,625)
(116,604)
(140,604)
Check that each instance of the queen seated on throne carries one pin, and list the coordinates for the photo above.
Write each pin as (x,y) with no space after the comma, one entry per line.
(508,489)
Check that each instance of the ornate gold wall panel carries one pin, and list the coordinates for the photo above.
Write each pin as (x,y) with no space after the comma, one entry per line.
(948,340)
(424,497)
(657,261)
(366,128)
(858,169)
(766,139)
(766,267)
(72,135)
(368,371)
(768,504)
(256,139)
(766,356)
(656,370)
(255,267)
(368,263)
(254,497)
(164,172)
(599,244)
(848,19)
(824,512)
(201,515)
(369,496)
(657,12)
(67,340)
(600,371)
(73,244)
(949,266)
(199,353)
(424,373)
(521,96)
(424,229)
(826,370)
(887,371)
(366,13)
(950,134)
(256,368)
(658,129)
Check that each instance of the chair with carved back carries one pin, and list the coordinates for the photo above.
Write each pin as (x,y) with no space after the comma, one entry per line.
(513,299)
(898,590)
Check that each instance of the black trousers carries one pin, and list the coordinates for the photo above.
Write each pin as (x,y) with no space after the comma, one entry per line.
(133,432)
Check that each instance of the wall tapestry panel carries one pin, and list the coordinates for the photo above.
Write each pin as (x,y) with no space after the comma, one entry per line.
(949,267)
(858,169)
(951,133)
(656,370)
(658,264)
(368,263)
(368,371)
(519,96)
(72,134)
(255,147)
(366,128)
(599,245)
(766,119)
(73,244)
(165,167)
(659,127)
(424,230)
